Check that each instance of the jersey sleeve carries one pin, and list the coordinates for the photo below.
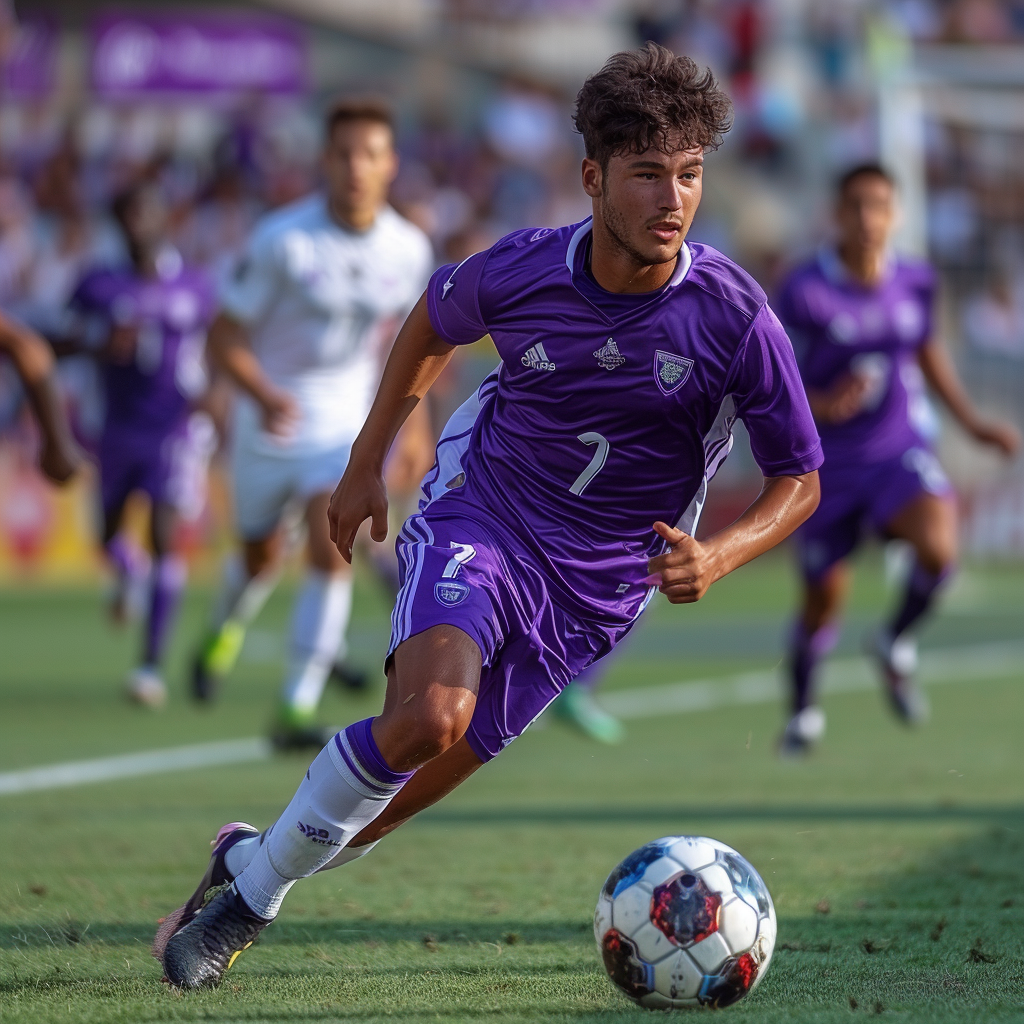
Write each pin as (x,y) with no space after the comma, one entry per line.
(453,301)
(771,401)
(248,292)
(87,318)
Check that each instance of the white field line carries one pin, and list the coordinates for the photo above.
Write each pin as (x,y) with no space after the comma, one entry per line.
(950,665)
(128,766)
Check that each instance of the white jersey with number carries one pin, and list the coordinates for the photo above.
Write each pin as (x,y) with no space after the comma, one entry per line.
(322,304)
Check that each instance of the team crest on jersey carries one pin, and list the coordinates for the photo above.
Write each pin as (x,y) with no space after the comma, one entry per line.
(450,592)
(608,355)
(671,371)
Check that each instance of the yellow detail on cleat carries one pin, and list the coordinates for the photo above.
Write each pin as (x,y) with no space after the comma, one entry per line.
(234,956)
(223,649)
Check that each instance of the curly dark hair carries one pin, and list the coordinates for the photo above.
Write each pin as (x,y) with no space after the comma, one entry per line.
(650,98)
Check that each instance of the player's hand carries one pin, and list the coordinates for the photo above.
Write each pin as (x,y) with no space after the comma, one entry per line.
(61,460)
(361,495)
(121,346)
(686,570)
(281,412)
(843,400)
(999,434)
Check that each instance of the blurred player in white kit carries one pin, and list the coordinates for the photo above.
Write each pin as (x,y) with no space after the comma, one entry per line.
(305,324)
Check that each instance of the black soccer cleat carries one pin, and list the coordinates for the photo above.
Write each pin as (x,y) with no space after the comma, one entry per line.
(349,677)
(897,663)
(204,683)
(216,878)
(198,954)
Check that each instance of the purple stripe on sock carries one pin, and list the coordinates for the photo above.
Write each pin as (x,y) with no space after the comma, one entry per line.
(365,747)
(357,770)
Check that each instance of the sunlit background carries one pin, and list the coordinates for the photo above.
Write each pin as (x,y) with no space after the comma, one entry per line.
(221,105)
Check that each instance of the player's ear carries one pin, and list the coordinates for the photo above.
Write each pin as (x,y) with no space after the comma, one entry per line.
(593,177)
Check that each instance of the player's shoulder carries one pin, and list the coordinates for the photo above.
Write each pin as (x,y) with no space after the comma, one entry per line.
(803,272)
(915,272)
(98,284)
(724,283)
(535,251)
(402,236)
(305,214)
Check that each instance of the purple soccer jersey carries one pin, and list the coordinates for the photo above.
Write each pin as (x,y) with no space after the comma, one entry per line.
(152,390)
(147,443)
(606,413)
(839,326)
(613,411)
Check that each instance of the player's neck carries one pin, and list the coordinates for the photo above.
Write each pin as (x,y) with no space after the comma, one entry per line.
(618,270)
(866,266)
(144,260)
(359,219)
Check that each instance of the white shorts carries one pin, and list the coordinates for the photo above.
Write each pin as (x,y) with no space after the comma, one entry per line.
(264,483)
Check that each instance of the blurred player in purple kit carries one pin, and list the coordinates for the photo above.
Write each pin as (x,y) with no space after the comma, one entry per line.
(861,323)
(565,491)
(146,322)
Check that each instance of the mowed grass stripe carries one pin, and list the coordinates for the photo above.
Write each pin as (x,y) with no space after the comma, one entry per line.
(126,766)
(971,663)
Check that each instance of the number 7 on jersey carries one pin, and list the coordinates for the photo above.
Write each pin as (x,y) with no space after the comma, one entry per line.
(596,464)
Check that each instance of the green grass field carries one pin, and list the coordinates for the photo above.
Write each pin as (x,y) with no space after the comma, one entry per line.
(895,859)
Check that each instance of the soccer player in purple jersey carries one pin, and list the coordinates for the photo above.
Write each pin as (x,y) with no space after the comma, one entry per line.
(565,492)
(146,322)
(861,322)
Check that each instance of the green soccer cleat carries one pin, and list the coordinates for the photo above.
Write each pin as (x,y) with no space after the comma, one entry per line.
(295,729)
(577,706)
(197,955)
(217,657)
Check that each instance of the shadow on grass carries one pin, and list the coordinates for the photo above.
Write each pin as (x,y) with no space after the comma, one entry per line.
(668,812)
(310,931)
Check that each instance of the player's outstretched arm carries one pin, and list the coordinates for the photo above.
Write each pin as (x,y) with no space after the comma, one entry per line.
(940,373)
(690,566)
(228,347)
(417,358)
(33,360)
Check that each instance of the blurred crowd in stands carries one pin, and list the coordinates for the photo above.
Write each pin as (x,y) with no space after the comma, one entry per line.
(805,95)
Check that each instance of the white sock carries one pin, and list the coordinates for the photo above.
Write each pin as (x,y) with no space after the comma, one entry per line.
(242,596)
(318,627)
(237,859)
(346,787)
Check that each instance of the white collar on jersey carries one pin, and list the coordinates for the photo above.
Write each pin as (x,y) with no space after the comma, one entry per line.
(682,264)
(835,270)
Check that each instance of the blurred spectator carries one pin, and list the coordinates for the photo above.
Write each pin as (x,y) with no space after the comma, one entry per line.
(993,319)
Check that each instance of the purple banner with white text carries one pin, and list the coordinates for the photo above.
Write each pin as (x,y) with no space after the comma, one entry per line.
(29,70)
(152,53)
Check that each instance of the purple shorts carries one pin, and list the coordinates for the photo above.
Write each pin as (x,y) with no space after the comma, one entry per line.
(454,571)
(856,499)
(169,467)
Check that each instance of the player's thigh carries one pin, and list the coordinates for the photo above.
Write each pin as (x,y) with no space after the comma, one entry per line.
(432,782)
(323,553)
(262,486)
(433,680)
(929,524)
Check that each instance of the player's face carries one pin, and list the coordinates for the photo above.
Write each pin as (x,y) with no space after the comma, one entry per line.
(145,218)
(359,164)
(866,212)
(647,200)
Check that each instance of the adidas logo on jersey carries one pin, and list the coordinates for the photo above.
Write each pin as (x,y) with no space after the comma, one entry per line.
(537,359)
(608,355)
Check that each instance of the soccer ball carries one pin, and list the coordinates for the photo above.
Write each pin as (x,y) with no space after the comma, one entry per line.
(685,921)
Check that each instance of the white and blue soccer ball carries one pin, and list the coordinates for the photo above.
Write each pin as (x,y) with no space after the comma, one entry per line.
(685,921)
